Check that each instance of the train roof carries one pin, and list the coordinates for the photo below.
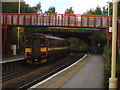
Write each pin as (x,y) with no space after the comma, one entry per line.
(54,37)
(47,36)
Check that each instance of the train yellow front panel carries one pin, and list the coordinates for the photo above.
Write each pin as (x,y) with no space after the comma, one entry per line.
(28,50)
(43,49)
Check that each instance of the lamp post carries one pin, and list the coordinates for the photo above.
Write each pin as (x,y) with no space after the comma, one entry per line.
(108,7)
(113,81)
(18,27)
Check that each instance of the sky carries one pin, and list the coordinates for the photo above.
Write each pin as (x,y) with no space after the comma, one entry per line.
(79,6)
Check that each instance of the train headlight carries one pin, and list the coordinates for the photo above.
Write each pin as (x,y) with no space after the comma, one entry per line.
(36,59)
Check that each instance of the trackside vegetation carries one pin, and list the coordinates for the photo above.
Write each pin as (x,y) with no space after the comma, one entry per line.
(107,67)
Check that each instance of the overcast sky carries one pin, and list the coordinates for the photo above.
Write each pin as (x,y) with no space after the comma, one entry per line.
(79,6)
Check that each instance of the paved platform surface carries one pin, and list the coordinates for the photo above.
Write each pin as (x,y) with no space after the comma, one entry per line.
(89,76)
(12,58)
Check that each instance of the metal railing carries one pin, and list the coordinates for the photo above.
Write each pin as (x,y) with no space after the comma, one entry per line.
(61,20)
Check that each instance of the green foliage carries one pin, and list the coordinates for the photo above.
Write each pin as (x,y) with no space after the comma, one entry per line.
(99,40)
(111,8)
(107,74)
(83,45)
(90,12)
(77,44)
(104,12)
(119,9)
(107,53)
(12,7)
(74,43)
(107,67)
(69,11)
(99,35)
(51,10)
(98,11)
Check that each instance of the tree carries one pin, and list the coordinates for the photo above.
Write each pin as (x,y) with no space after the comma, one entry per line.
(104,11)
(119,9)
(69,11)
(51,10)
(98,11)
(12,7)
(111,8)
(90,12)
(37,8)
(99,38)
(77,44)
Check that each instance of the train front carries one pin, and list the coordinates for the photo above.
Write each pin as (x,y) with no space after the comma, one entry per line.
(36,51)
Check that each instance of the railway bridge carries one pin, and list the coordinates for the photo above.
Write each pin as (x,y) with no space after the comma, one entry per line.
(55,20)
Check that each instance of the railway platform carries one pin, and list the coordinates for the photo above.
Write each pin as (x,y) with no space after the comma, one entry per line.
(12,58)
(83,74)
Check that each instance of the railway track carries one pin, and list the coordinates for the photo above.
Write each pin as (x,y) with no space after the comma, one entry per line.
(16,73)
(27,80)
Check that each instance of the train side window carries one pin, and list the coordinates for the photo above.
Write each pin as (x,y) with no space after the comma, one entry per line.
(51,43)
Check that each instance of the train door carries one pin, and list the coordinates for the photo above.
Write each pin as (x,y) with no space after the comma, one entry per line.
(35,46)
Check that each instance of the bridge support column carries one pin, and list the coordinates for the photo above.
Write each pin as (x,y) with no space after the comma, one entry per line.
(6,40)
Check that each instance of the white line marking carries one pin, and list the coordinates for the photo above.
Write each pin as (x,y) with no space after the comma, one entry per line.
(35,86)
(12,60)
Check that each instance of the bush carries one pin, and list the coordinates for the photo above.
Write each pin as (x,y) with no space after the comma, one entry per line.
(118,74)
(107,67)
(107,53)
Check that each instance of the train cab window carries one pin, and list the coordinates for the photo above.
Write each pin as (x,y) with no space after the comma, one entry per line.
(28,43)
(42,42)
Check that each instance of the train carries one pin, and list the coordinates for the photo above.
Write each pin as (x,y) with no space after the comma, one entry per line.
(41,48)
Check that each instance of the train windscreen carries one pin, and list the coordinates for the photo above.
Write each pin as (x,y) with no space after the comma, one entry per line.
(42,42)
(28,43)
(35,46)
(35,43)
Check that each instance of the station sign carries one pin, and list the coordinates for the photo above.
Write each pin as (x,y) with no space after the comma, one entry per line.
(110,29)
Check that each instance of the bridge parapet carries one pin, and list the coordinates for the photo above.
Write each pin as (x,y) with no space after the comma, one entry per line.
(59,20)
